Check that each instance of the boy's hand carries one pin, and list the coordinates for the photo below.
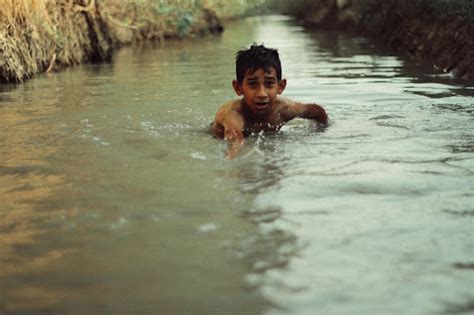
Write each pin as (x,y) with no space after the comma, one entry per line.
(233,149)
(235,141)
(229,125)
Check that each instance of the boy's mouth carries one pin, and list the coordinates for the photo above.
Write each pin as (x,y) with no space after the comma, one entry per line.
(261,105)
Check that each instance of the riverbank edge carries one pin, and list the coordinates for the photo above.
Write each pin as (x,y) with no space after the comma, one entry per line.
(419,30)
(47,41)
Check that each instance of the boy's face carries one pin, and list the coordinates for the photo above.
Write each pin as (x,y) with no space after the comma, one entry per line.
(260,90)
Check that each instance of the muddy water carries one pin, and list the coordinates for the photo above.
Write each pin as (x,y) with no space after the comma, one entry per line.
(115,200)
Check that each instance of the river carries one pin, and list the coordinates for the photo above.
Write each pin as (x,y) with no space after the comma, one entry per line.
(115,199)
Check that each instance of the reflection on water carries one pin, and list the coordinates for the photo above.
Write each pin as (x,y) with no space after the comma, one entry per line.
(116,200)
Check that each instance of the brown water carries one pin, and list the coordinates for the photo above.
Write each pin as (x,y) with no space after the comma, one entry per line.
(114,199)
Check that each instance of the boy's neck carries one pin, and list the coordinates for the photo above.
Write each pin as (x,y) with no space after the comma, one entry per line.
(251,117)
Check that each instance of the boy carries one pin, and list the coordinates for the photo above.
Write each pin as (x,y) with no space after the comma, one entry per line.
(259,81)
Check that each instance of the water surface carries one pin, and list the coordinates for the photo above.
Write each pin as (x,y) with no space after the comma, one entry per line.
(116,200)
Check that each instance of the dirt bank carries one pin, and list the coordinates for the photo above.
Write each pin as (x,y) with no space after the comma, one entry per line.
(436,30)
(45,35)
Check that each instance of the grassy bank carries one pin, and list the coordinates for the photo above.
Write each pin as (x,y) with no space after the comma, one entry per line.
(437,30)
(44,35)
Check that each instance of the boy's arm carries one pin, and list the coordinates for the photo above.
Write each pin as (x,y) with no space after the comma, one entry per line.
(307,111)
(229,125)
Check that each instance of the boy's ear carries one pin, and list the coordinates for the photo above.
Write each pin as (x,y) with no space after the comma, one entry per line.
(281,86)
(237,87)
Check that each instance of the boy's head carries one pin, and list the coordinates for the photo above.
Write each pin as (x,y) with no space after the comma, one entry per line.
(257,57)
(258,79)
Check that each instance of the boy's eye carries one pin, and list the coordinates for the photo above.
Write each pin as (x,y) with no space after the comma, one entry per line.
(252,84)
(269,84)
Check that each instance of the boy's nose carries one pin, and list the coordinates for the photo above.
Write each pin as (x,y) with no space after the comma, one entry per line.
(261,92)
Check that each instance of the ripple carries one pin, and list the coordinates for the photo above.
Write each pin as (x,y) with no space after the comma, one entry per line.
(463,265)
(383,117)
(460,308)
(24,170)
(383,124)
(464,213)
(455,108)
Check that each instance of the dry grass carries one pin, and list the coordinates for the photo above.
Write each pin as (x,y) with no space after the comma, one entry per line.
(37,34)
(21,50)
(43,35)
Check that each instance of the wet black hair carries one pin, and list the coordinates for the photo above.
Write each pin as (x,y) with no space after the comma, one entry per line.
(257,57)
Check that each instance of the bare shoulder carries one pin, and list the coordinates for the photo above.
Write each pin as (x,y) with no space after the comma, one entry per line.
(228,108)
(287,108)
(228,112)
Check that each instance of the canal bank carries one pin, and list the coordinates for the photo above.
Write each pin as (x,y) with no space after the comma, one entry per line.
(437,30)
(43,36)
